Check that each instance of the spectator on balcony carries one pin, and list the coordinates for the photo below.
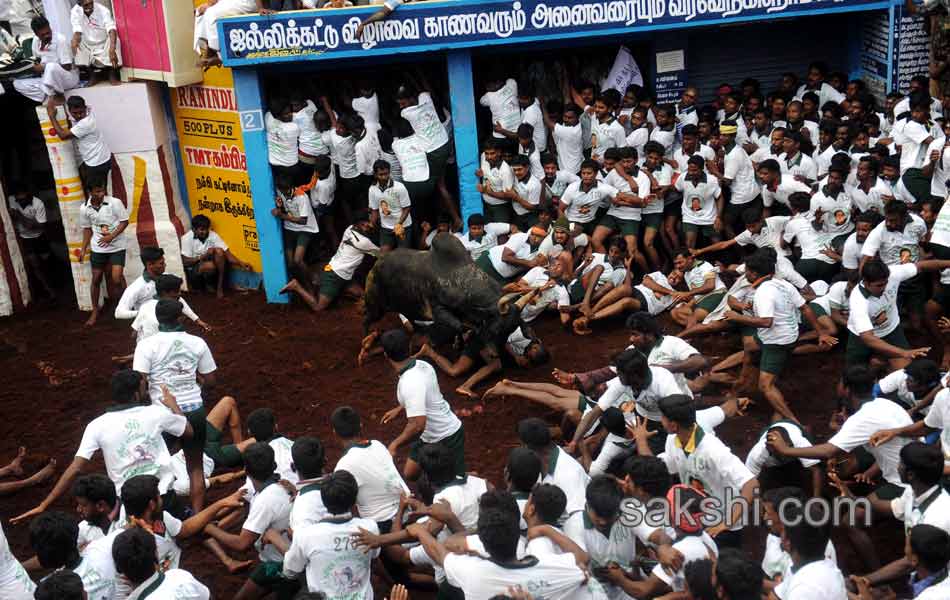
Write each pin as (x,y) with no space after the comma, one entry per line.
(206,25)
(95,41)
(53,66)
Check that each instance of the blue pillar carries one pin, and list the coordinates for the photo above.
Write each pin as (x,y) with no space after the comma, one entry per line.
(247,91)
(462,93)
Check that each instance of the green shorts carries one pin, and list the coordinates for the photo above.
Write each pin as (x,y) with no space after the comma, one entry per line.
(198,421)
(857,353)
(225,456)
(772,357)
(269,575)
(296,239)
(583,403)
(652,221)
(484,263)
(818,309)
(387,237)
(624,226)
(711,301)
(331,284)
(888,491)
(497,213)
(707,231)
(100,260)
(455,443)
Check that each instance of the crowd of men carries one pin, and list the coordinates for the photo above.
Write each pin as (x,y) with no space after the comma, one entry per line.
(789,220)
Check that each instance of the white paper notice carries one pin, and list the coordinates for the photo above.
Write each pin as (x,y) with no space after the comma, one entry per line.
(670,61)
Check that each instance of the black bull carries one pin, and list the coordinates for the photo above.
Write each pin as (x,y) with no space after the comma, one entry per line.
(442,285)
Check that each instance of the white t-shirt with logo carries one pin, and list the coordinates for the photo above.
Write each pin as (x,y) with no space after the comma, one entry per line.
(878,313)
(353,247)
(770,236)
(368,108)
(896,247)
(92,144)
(661,384)
(282,141)
(97,571)
(477,247)
(780,301)
(418,392)
(390,202)
(411,154)
(938,417)
(380,483)
(174,359)
(132,444)
(699,199)
(270,509)
(333,562)
(871,199)
(504,107)
(298,206)
(530,190)
(104,221)
(426,124)
(582,205)
(872,417)
(697,276)
(517,243)
(482,579)
(656,303)
(812,242)
(558,294)
(670,349)
(499,178)
(175,584)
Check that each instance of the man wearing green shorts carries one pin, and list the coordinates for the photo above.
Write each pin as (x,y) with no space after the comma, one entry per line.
(582,199)
(775,305)
(355,243)
(623,215)
(103,220)
(705,293)
(223,416)
(525,193)
(703,202)
(659,179)
(874,322)
(429,418)
(293,209)
(520,253)
(496,180)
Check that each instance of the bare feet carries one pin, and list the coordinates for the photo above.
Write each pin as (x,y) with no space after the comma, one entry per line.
(236,566)
(464,391)
(16,465)
(92,319)
(45,473)
(292,286)
(365,346)
(499,389)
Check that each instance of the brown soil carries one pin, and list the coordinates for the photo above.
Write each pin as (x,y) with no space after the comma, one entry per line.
(303,365)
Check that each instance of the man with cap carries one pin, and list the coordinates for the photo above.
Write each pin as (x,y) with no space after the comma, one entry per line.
(182,364)
(355,244)
(560,240)
(737,175)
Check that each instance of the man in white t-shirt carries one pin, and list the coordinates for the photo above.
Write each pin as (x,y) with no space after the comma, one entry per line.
(129,436)
(390,205)
(776,305)
(501,98)
(136,559)
(53,69)
(29,218)
(806,535)
(703,203)
(355,244)
(568,136)
(369,461)
(477,240)
(429,418)
(182,363)
(519,254)
(874,321)
(13,577)
(206,256)
(495,183)
(95,42)
(738,175)
(269,510)
(326,551)
(103,220)
(146,324)
(93,151)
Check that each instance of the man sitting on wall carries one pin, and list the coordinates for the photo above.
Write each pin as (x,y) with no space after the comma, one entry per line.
(95,42)
(53,66)
(207,44)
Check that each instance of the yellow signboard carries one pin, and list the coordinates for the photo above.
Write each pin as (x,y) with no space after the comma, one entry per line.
(212,152)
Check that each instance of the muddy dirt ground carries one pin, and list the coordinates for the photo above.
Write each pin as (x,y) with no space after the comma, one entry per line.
(303,365)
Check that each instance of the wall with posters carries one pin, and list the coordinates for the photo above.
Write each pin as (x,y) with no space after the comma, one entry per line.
(911,53)
(215,166)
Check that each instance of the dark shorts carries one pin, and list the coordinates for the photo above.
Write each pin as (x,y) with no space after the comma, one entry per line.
(711,301)
(813,269)
(888,491)
(437,160)
(331,284)
(624,226)
(296,239)
(387,237)
(526,221)
(912,294)
(857,353)
(38,245)
(96,173)
(638,296)
(269,575)
(577,291)
(652,221)
(707,231)
(498,213)
(587,228)
(101,260)
(484,263)
(225,456)
(455,443)
(772,357)
(733,212)
(817,309)
(198,421)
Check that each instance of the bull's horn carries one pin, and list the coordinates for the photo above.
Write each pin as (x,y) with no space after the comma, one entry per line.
(505,300)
